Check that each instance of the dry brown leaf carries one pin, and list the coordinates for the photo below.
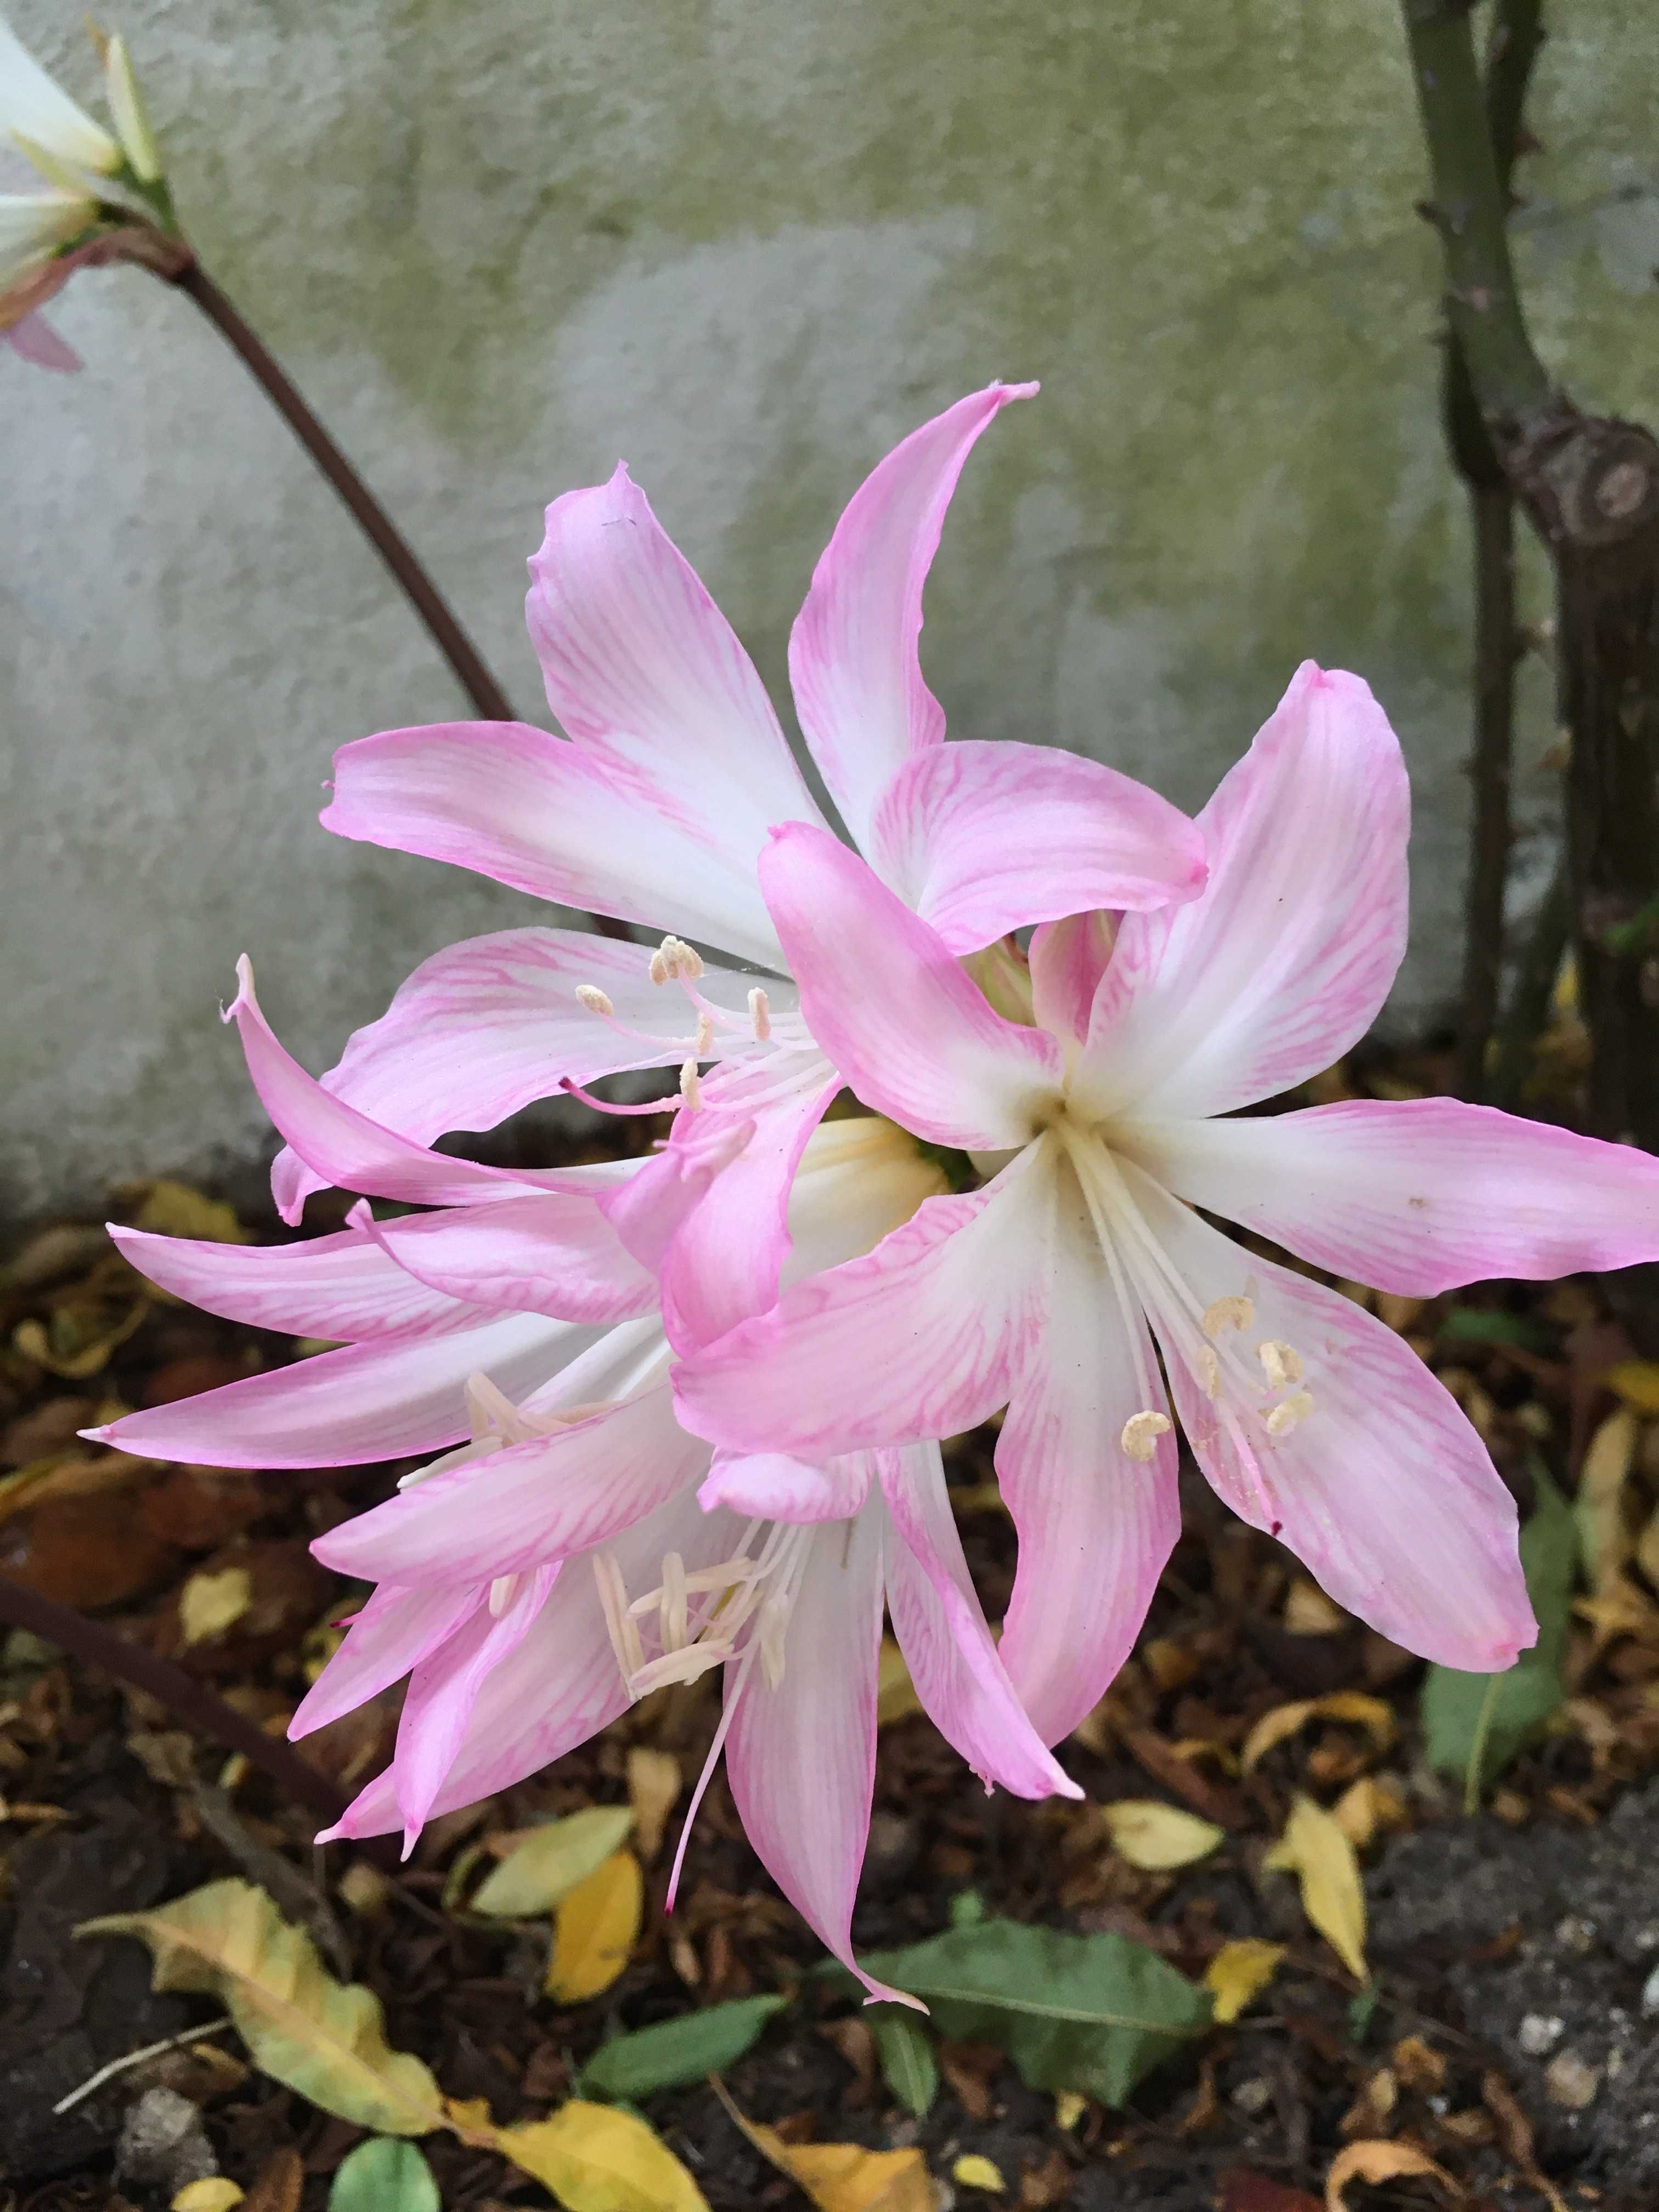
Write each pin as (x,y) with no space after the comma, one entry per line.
(1380,2162)
(279,2184)
(595,1928)
(1599,1505)
(1373,1715)
(654,1782)
(1315,1848)
(1155,1835)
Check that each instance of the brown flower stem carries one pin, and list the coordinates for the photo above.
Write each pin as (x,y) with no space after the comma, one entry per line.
(199,1708)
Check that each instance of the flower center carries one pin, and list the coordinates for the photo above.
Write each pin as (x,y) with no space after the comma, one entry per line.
(737,1608)
(674,961)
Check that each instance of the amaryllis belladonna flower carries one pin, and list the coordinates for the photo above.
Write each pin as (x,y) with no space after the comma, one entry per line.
(578,1549)
(655,808)
(1109,1114)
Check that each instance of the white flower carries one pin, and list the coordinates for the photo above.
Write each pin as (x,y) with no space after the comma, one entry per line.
(38,114)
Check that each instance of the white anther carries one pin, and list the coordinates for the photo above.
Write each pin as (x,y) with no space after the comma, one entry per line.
(1284,1417)
(502,1591)
(660,970)
(1227,1312)
(705,1037)
(674,960)
(760,1014)
(690,1086)
(774,1621)
(674,1609)
(596,1001)
(613,1602)
(1141,1432)
(1209,1371)
(1281,1363)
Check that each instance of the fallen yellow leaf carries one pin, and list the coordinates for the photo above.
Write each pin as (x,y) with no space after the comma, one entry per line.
(1150,1835)
(1309,1612)
(973,2172)
(174,1209)
(215,2194)
(654,1782)
(1366,1807)
(1636,1381)
(209,1604)
(896,1693)
(324,2039)
(1315,1848)
(1238,1973)
(594,1930)
(597,2158)
(842,2177)
(550,1860)
(1379,2161)
(1372,1714)
(1598,1506)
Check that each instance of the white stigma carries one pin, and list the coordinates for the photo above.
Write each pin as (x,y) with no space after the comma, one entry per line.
(674,960)
(1223,1314)
(690,1086)
(596,1001)
(760,1014)
(1283,1418)
(1281,1363)
(1141,1432)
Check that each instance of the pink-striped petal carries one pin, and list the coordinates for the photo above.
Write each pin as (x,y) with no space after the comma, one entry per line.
(910,1032)
(801,1755)
(852,657)
(345,1287)
(492,1025)
(1067,960)
(344,1148)
(981,839)
(526,1505)
(395,1630)
(1095,1525)
(773,1486)
(941,1631)
(917,1340)
(554,1254)
(1363,1464)
(373,1401)
(1419,1196)
(645,1213)
(1284,959)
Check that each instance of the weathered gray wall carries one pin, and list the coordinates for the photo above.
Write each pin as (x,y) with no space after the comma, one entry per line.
(746,244)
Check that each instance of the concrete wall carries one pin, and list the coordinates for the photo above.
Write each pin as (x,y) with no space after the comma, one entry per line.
(747,244)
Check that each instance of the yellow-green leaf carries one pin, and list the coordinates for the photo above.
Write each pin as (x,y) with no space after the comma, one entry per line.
(596,2158)
(210,1603)
(973,2172)
(1150,1835)
(1238,1973)
(1605,1538)
(1636,1381)
(896,1693)
(1315,1848)
(595,1929)
(324,2039)
(551,1861)
(174,1209)
(212,2194)
(1373,1715)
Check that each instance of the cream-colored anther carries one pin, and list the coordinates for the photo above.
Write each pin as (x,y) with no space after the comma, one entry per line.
(760,1014)
(613,1603)
(773,1621)
(596,1001)
(502,1591)
(690,1086)
(1141,1432)
(1209,1370)
(1284,1416)
(1223,1314)
(705,1037)
(1281,1363)
(675,959)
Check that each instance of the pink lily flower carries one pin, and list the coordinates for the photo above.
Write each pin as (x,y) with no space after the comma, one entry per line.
(1110,1117)
(655,808)
(577,1548)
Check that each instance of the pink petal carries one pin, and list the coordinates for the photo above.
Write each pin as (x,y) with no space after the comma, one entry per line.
(1284,959)
(1383,1489)
(444,1690)
(852,657)
(645,1213)
(1420,1196)
(941,1631)
(344,1147)
(1096,1526)
(553,1253)
(801,1758)
(980,839)
(917,1340)
(908,1030)
(494,1023)
(1068,959)
(773,1486)
(394,1631)
(344,1287)
(373,1401)
(33,339)
(528,1504)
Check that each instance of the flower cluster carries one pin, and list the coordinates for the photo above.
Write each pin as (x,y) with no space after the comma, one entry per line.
(684,1413)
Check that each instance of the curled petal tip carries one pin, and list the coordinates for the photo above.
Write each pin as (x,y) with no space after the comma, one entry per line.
(99,1436)
(879,1993)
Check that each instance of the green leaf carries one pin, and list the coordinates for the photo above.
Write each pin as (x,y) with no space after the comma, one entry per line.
(908,2064)
(1089,2013)
(1474,1724)
(1491,1325)
(551,1861)
(676,2051)
(382,2175)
